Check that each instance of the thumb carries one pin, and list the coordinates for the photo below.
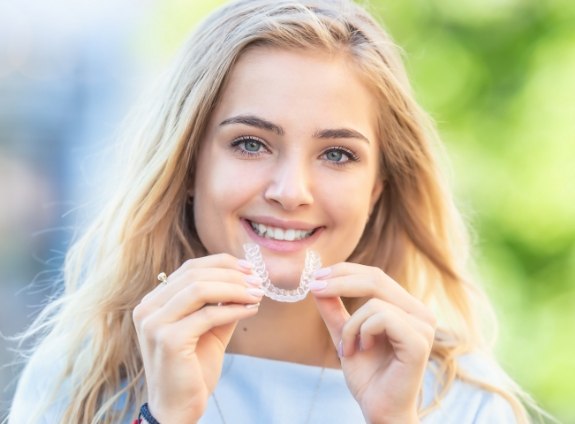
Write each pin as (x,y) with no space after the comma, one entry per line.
(334,314)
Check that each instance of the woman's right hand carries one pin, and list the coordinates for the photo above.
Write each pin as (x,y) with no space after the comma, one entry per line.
(183,329)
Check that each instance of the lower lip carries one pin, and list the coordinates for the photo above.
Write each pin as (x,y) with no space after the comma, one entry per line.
(280,245)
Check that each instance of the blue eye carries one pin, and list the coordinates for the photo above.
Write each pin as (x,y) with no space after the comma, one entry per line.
(252,145)
(334,155)
(340,155)
(248,146)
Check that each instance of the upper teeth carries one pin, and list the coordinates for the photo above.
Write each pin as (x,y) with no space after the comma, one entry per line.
(279,233)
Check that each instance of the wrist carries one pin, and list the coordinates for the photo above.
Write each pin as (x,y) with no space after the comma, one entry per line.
(146,417)
(411,418)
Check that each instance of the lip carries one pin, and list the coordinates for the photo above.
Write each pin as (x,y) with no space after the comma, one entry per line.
(281,245)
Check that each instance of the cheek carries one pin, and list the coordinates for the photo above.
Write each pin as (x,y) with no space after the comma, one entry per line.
(348,209)
(353,215)
(349,197)
(221,190)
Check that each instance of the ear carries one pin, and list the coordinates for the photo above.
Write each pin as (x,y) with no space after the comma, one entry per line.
(378,187)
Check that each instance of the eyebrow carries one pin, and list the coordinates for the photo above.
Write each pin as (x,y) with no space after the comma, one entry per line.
(257,122)
(341,133)
(254,121)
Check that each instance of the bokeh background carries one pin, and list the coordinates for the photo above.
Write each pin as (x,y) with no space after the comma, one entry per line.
(498,76)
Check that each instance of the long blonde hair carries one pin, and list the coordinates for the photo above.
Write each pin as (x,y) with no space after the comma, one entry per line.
(415,233)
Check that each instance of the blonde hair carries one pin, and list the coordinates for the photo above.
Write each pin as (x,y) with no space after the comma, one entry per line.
(415,233)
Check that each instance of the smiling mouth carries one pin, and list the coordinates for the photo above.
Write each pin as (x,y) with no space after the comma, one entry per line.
(275,233)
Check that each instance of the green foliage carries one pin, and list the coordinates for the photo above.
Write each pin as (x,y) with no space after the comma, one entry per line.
(498,79)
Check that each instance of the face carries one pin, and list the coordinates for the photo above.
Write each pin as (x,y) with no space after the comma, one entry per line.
(289,161)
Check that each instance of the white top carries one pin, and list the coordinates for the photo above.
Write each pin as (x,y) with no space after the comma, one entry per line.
(254,390)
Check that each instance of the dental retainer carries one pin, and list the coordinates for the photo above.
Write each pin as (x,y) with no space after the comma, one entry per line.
(312,264)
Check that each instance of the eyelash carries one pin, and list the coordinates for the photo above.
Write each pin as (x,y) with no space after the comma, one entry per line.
(238,142)
(351,156)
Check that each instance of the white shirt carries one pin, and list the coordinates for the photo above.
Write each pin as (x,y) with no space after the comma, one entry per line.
(255,390)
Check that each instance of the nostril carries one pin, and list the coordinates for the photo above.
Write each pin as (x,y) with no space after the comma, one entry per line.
(289,191)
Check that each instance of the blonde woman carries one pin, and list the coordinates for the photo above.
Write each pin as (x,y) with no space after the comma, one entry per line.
(288,127)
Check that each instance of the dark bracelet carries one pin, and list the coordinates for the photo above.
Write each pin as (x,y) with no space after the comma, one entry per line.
(145,413)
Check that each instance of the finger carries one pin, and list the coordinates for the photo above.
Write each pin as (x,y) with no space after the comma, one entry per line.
(387,323)
(334,314)
(222,260)
(360,281)
(183,279)
(196,296)
(423,328)
(218,261)
(169,336)
(361,330)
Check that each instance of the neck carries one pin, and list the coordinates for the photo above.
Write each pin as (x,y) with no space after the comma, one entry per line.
(291,332)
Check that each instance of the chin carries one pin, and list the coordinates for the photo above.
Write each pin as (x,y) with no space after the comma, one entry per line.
(285,279)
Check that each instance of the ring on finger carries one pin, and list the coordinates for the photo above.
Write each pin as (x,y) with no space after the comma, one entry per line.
(163,278)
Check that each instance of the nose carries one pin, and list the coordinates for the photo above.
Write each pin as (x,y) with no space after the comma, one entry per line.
(290,184)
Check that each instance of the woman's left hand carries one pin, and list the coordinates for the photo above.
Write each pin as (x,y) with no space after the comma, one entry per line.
(384,345)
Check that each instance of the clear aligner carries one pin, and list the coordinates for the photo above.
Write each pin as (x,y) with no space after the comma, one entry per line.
(312,264)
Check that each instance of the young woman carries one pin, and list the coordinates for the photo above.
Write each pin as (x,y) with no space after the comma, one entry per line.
(288,126)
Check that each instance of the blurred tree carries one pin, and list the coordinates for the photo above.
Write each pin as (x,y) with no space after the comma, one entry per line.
(498,78)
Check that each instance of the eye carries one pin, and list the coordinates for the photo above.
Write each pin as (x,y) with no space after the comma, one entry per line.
(249,146)
(340,155)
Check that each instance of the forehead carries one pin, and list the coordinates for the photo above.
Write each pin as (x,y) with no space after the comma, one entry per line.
(308,86)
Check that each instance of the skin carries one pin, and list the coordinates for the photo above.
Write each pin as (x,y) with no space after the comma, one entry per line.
(307,158)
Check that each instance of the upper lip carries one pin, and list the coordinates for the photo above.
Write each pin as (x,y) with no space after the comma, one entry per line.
(283,224)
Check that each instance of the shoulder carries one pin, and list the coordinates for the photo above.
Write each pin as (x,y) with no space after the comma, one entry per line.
(467,400)
(37,386)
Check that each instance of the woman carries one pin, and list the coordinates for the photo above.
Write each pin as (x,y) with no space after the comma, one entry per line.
(288,125)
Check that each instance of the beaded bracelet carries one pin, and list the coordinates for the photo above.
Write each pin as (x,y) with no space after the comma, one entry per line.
(145,413)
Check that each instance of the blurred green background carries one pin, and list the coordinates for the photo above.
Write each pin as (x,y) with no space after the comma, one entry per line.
(498,77)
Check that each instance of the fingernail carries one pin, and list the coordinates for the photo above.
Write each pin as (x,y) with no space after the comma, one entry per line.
(322,272)
(253,291)
(245,264)
(253,280)
(340,349)
(315,285)
(252,305)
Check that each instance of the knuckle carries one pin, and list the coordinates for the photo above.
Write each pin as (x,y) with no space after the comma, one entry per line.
(378,279)
(379,275)
(429,334)
(225,258)
(348,330)
(429,317)
(137,313)
(378,272)
(208,313)
(424,312)
(188,264)
(165,340)
(190,274)
(424,347)
(140,312)
(195,291)
(374,304)
(148,328)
